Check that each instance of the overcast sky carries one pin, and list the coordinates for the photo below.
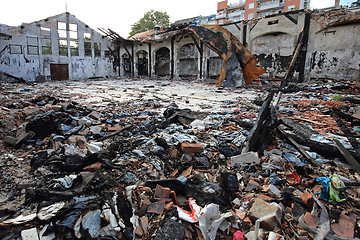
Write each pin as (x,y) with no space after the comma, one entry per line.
(117,15)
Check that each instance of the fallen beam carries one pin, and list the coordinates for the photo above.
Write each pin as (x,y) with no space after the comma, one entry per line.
(298,147)
(347,155)
(354,143)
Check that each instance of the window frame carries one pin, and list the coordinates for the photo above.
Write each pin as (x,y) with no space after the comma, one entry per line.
(18,45)
(32,45)
(74,51)
(97,52)
(73,29)
(87,51)
(63,47)
(45,49)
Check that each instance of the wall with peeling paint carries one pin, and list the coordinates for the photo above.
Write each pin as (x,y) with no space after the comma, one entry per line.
(272,41)
(28,64)
(334,52)
(188,60)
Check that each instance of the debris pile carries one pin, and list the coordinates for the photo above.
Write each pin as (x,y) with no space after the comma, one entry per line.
(124,160)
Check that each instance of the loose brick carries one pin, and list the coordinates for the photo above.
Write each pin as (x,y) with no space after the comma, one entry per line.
(191,147)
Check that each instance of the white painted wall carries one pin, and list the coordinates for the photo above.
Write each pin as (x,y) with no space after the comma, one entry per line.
(28,66)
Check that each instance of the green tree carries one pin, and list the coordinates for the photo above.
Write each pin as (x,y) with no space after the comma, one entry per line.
(149,21)
(355,4)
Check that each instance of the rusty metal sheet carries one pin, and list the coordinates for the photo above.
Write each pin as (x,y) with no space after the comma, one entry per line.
(229,48)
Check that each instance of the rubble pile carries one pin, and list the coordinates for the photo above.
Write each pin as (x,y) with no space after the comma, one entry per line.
(137,159)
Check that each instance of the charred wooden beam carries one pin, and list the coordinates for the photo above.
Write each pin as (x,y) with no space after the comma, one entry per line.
(244,35)
(132,61)
(253,142)
(298,147)
(354,121)
(201,59)
(298,128)
(347,155)
(195,42)
(293,60)
(354,143)
(128,52)
(302,135)
(303,51)
(116,132)
(325,150)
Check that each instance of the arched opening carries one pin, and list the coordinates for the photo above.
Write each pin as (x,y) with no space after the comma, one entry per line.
(214,67)
(142,63)
(162,64)
(126,64)
(188,61)
(273,42)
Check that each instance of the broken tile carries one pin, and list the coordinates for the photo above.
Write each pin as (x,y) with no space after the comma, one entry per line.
(144,222)
(28,111)
(162,192)
(114,128)
(157,207)
(311,220)
(346,225)
(139,231)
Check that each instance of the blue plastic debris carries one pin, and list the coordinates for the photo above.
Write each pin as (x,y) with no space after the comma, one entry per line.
(292,158)
(41,103)
(325,182)
(331,189)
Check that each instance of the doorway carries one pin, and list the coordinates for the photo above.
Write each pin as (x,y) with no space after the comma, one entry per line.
(59,71)
(142,63)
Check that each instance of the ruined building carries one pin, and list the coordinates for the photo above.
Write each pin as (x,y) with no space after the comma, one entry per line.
(330,48)
(56,48)
(63,47)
